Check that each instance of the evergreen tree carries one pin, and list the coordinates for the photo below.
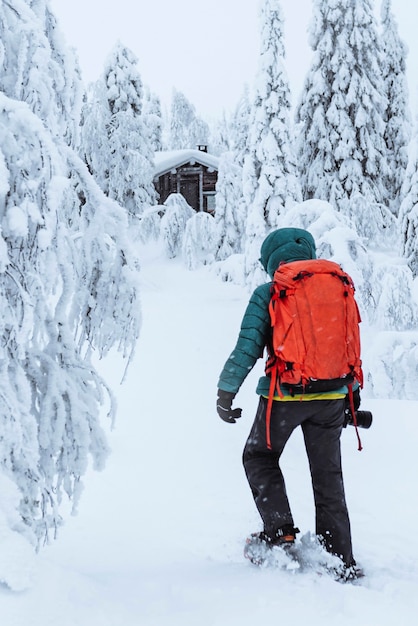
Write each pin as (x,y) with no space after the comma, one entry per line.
(187,130)
(199,240)
(270,175)
(230,205)
(153,120)
(116,140)
(68,280)
(408,213)
(37,68)
(229,220)
(240,127)
(94,143)
(397,118)
(342,152)
(173,223)
(220,136)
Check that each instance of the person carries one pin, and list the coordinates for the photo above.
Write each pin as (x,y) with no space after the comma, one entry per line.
(321,417)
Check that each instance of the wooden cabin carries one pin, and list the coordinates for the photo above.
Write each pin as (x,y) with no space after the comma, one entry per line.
(193,173)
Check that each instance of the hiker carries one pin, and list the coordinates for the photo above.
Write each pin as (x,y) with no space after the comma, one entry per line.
(320,415)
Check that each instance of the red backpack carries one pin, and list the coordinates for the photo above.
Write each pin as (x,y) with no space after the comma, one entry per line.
(315,322)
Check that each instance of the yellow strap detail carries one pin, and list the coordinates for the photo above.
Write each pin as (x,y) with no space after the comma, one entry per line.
(327,395)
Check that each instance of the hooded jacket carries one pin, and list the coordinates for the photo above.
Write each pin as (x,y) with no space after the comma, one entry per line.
(281,246)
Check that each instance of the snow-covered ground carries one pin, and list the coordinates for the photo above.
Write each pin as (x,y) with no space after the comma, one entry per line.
(159,534)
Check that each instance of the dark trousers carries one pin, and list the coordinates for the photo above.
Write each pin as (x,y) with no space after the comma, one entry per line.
(321,422)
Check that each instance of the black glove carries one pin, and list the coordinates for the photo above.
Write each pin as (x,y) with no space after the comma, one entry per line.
(223,406)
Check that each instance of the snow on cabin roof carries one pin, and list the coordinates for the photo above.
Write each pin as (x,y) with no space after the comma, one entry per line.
(170,159)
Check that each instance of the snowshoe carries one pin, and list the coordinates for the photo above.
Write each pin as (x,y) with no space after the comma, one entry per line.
(304,556)
(346,574)
(263,550)
(312,556)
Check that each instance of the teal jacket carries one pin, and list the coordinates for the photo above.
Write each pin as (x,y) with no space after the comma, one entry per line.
(283,245)
(253,337)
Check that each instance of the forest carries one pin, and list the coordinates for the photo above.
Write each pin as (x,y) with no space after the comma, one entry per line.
(77,198)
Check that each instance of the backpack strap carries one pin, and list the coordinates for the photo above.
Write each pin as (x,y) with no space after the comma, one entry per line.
(273,381)
(272,368)
(353,413)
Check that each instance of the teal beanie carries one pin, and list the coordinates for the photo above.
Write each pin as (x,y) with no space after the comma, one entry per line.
(286,244)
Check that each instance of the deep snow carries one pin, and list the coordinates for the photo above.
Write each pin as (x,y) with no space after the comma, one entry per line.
(159,534)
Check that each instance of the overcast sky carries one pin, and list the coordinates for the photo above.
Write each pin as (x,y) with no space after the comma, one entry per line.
(207,50)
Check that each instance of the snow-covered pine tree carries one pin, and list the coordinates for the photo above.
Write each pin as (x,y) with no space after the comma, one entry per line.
(37,67)
(230,222)
(68,282)
(153,119)
(187,129)
(94,143)
(173,223)
(408,213)
(342,151)
(270,174)
(397,117)
(220,135)
(240,127)
(230,205)
(199,240)
(115,139)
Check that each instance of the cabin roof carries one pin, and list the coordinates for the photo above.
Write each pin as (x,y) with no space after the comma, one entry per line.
(167,160)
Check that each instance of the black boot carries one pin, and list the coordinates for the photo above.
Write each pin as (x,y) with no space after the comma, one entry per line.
(258,545)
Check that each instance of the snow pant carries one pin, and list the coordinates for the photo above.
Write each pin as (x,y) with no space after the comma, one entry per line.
(321,422)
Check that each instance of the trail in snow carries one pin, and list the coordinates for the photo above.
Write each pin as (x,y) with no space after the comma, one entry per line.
(159,535)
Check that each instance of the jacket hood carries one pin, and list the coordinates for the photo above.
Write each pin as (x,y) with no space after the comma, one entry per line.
(286,245)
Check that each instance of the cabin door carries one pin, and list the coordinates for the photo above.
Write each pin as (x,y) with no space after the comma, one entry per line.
(189,189)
